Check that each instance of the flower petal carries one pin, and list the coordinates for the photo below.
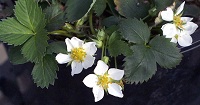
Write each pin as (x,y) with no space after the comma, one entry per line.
(115,90)
(167,15)
(63,58)
(88,61)
(76,42)
(90,48)
(101,68)
(185,40)
(190,27)
(169,30)
(116,74)
(186,19)
(98,93)
(174,40)
(76,68)
(180,8)
(90,80)
(69,45)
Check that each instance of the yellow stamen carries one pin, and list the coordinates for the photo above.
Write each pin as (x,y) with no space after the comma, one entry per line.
(78,54)
(178,22)
(104,80)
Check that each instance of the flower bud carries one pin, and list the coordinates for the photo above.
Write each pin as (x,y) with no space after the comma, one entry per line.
(105,59)
(101,35)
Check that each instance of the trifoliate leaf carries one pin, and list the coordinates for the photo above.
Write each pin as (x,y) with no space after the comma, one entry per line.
(141,66)
(117,47)
(134,31)
(99,7)
(12,32)
(76,9)
(133,8)
(166,53)
(15,55)
(55,17)
(162,4)
(34,49)
(44,73)
(57,47)
(30,14)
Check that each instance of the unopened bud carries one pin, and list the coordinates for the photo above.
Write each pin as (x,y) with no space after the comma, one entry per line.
(101,35)
(105,59)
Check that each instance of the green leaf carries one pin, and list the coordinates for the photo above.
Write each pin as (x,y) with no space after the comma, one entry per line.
(12,32)
(30,14)
(110,21)
(35,48)
(99,7)
(134,31)
(166,53)
(55,17)
(57,47)
(76,9)
(117,47)
(162,4)
(141,66)
(44,73)
(133,8)
(15,55)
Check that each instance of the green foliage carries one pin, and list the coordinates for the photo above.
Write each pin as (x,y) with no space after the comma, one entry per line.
(132,8)
(141,66)
(76,9)
(30,15)
(35,48)
(55,17)
(15,55)
(44,72)
(117,46)
(162,4)
(166,53)
(16,31)
(135,31)
(57,47)
(99,7)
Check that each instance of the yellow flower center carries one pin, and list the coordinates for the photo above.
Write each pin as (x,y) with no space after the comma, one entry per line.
(78,54)
(104,80)
(178,22)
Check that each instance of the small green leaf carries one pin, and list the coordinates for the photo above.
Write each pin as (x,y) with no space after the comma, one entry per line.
(133,8)
(110,21)
(76,9)
(35,48)
(166,53)
(134,31)
(55,17)
(30,14)
(44,73)
(12,32)
(162,4)
(15,55)
(117,47)
(99,7)
(141,66)
(57,47)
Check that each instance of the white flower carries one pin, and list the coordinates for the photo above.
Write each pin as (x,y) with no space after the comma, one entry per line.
(182,37)
(80,55)
(104,79)
(182,23)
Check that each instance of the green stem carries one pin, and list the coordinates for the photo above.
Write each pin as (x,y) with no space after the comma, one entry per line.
(145,17)
(102,52)
(60,32)
(91,24)
(115,62)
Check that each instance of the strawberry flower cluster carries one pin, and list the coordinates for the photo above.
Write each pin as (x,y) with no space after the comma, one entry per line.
(179,28)
(81,55)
